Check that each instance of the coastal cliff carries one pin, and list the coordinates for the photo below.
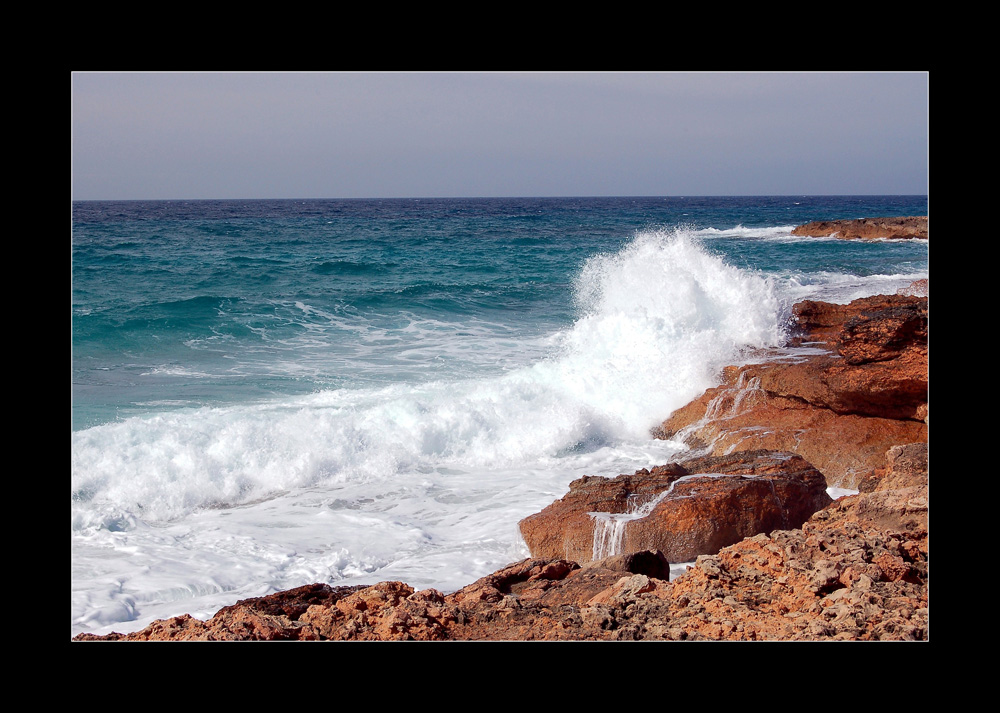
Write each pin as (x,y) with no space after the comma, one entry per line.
(774,558)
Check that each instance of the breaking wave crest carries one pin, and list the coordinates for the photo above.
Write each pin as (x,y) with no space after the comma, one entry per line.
(657,320)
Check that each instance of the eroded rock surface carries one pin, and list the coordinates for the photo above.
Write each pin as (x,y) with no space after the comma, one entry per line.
(861,378)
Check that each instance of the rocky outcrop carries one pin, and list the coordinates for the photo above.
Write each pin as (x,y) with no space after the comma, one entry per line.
(860,379)
(856,570)
(867,228)
(682,509)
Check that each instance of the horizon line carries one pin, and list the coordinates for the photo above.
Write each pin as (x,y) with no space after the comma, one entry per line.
(514,197)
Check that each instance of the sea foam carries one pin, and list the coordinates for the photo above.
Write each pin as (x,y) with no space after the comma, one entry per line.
(657,321)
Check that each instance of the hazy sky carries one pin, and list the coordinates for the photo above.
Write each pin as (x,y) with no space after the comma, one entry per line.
(359,135)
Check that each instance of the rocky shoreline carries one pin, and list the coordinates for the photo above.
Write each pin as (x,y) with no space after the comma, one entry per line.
(775,558)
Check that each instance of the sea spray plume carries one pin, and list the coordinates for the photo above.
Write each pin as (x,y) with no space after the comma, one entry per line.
(659,319)
(671,277)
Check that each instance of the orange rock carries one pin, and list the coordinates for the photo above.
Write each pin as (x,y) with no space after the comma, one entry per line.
(682,510)
(867,387)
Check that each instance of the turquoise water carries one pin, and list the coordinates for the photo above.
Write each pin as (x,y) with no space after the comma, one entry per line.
(273,393)
(190,303)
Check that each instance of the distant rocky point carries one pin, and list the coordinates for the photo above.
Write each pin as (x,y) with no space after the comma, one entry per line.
(914,226)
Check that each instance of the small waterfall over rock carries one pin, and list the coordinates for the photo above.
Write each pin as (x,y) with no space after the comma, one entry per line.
(609,528)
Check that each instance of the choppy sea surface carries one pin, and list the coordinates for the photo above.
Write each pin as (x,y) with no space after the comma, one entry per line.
(271,393)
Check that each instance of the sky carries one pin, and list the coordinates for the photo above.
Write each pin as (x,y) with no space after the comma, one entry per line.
(146,136)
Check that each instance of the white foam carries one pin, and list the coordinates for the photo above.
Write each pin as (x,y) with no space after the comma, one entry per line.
(739,231)
(422,481)
(840,288)
(659,319)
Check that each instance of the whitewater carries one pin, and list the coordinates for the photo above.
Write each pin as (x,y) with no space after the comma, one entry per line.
(367,419)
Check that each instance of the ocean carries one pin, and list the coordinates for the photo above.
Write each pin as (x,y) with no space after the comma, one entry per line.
(271,393)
